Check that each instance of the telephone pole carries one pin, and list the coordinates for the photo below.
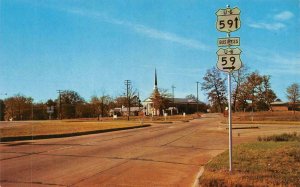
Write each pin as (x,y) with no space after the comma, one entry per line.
(173,87)
(197,97)
(128,83)
(60,109)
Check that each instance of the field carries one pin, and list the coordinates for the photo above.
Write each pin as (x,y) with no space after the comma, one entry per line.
(57,127)
(273,161)
(270,116)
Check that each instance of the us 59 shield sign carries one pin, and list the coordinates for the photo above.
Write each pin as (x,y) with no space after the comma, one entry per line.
(229,59)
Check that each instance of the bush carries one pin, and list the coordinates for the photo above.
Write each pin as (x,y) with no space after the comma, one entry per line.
(280,138)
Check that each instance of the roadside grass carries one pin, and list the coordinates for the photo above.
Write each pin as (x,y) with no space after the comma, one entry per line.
(60,127)
(53,127)
(267,116)
(280,138)
(273,161)
(144,118)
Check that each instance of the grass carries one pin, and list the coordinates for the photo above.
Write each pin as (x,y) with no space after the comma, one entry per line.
(267,116)
(60,127)
(35,128)
(280,138)
(146,118)
(264,163)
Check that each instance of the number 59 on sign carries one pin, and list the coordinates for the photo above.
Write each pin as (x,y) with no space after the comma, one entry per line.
(229,59)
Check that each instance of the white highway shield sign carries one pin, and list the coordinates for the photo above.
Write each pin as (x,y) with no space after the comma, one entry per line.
(228,20)
(229,59)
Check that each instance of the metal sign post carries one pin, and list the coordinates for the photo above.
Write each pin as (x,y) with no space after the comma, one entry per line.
(230,122)
(228,20)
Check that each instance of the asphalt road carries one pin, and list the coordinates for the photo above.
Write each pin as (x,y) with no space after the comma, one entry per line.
(160,155)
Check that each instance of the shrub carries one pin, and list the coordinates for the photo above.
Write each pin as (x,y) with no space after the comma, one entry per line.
(280,138)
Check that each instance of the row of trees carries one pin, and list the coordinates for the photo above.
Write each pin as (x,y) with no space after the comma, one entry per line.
(69,104)
(250,91)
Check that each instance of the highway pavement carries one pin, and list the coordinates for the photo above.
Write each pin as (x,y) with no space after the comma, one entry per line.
(160,155)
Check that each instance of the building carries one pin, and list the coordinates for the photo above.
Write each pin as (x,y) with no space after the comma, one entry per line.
(171,105)
(279,106)
(134,111)
(284,106)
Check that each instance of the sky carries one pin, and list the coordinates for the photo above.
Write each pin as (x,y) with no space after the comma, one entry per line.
(93,46)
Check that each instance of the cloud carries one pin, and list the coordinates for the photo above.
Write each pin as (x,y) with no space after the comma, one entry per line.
(275,24)
(277,63)
(141,29)
(269,26)
(285,15)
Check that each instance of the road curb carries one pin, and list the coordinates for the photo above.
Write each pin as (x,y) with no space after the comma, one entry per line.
(199,174)
(48,136)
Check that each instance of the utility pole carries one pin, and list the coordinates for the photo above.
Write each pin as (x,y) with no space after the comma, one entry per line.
(128,83)
(60,109)
(197,97)
(139,101)
(173,87)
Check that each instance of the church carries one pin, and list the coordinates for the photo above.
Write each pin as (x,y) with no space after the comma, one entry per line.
(159,104)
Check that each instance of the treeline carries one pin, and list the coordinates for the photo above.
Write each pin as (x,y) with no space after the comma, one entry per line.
(69,104)
(251,91)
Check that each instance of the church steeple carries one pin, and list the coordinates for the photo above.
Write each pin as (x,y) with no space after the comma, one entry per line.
(155,80)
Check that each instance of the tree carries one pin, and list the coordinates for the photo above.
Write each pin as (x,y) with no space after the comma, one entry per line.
(84,110)
(69,100)
(256,88)
(191,96)
(2,110)
(266,95)
(39,111)
(120,101)
(104,102)
(160,100)
(293,94)
(214,84)
(238,77)
(18,107)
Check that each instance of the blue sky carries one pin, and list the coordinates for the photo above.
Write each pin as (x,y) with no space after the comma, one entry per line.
(93,46)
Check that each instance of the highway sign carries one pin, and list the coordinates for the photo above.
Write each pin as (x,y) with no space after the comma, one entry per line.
(226,42)
(229,59)
(228,20)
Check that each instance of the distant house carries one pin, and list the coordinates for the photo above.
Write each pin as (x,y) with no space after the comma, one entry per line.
(279,106)
(134,111)
(284,106)
(180,105)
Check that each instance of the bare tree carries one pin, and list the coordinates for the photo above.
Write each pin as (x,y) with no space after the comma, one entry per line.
(214,84)
(160,99)
(293,94)
(18,107)
(238,77)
